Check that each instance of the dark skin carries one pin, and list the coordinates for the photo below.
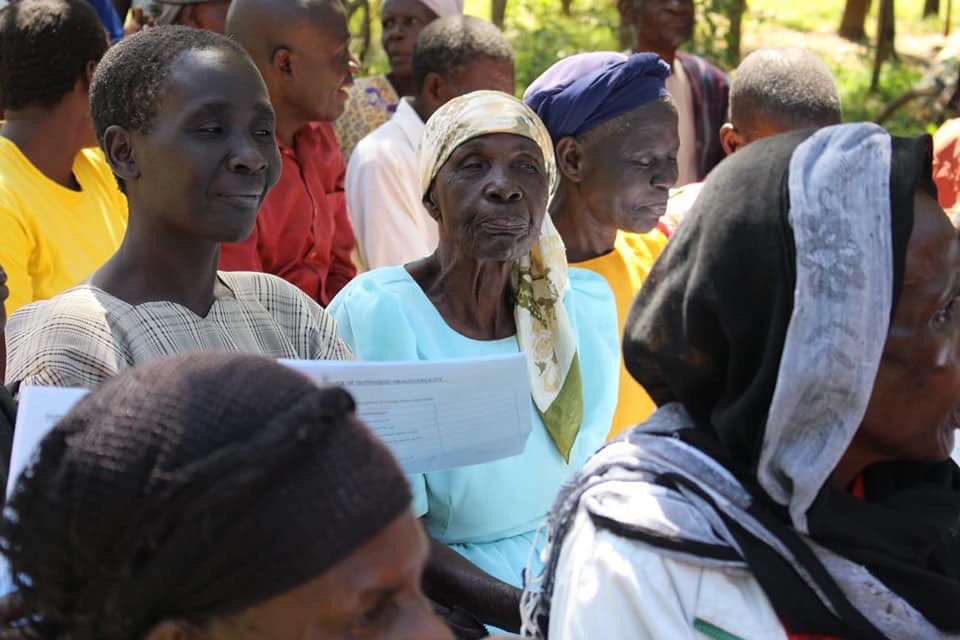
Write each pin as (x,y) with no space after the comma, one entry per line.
(734,137)
(485,73)
(489,200)
(302,51)
(210,16)
(660,26)
(372,594)
(913,410)
(51,137)
(195,180)
(402,22)
(616,176)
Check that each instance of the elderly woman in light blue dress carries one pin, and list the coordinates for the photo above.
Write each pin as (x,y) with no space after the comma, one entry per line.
(497,284)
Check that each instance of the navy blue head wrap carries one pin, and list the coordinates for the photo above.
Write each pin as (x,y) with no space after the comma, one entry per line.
(583,91)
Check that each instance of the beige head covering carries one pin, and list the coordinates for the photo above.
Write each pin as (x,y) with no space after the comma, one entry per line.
(444,7)
(540,278)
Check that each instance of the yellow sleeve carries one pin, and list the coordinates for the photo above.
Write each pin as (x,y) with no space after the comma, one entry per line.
(15,250)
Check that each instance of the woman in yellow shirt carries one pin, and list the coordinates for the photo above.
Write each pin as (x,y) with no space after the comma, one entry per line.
(61,212)
(614,126)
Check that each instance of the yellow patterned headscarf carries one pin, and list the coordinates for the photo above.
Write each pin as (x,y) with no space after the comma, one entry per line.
(539,278)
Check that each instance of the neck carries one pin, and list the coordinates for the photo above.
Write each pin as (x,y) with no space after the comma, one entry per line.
(668,54)
(422,108)
(288,124)
(49,138)
(584,235)
(851,465)
(474,297)
(403,85)
(158,264)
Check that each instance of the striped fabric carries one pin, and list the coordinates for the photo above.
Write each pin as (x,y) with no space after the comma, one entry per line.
(84,336)
(711,92)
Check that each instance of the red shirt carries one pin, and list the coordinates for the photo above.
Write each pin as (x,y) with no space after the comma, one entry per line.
(303,232)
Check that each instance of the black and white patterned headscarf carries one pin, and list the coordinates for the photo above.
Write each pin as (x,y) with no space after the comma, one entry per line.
(759,333)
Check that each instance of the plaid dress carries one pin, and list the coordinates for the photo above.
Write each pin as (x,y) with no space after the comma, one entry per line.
(84,336)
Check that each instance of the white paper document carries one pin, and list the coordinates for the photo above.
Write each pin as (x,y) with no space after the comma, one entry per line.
(440,414)
(432,415)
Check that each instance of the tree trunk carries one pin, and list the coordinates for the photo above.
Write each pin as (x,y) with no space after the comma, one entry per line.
(854,19)
(736,10)
(498,12)
(566,4)
(931,8)
(885,40)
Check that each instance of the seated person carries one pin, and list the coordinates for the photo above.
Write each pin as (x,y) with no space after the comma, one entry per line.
(303,232)
(374,99)
(61,212)
(199,14)
(453,56)
(216,497)
(773,91)
(497,284)
(187,126)
(800,338)
(699,89)
(614,127)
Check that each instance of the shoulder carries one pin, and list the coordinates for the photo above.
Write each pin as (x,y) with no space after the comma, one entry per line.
(376,291)
(589,287)
(297,315)
(268,290)
(377,146)
(643,247)
(701,68)
(65,340)
(652,593)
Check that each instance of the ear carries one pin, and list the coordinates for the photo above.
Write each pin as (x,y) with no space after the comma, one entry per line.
(431,206)
(282,62)
(88,72)
(174,630)
(435,90)
(730,138)
(570,159)
(119,153)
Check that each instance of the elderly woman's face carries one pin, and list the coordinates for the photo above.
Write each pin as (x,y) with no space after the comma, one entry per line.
(913,411)
(490,197)
(374,593)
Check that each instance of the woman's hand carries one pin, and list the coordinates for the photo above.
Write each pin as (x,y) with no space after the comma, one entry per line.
(453,581)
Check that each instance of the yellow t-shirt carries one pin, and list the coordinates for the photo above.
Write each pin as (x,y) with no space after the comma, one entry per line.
(625,268)
(51,237)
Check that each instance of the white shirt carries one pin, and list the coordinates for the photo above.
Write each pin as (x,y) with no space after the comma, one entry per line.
(678,84)
(609,586)
(390,223)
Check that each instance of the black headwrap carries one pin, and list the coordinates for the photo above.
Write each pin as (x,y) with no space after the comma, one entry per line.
(190,488)
(708,331)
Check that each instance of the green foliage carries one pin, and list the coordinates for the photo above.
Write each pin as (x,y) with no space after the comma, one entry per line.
(541,35)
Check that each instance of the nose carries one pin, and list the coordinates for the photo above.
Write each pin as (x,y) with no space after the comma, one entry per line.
(665,174)
(247,159)
(353,66)
(501,189)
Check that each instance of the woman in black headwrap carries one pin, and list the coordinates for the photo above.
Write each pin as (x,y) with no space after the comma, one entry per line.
(800,337)
(216,497)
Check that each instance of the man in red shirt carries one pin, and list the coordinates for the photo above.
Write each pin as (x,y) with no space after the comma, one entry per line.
(303,231)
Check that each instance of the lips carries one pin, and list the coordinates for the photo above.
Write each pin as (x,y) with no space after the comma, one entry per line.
(503,226)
